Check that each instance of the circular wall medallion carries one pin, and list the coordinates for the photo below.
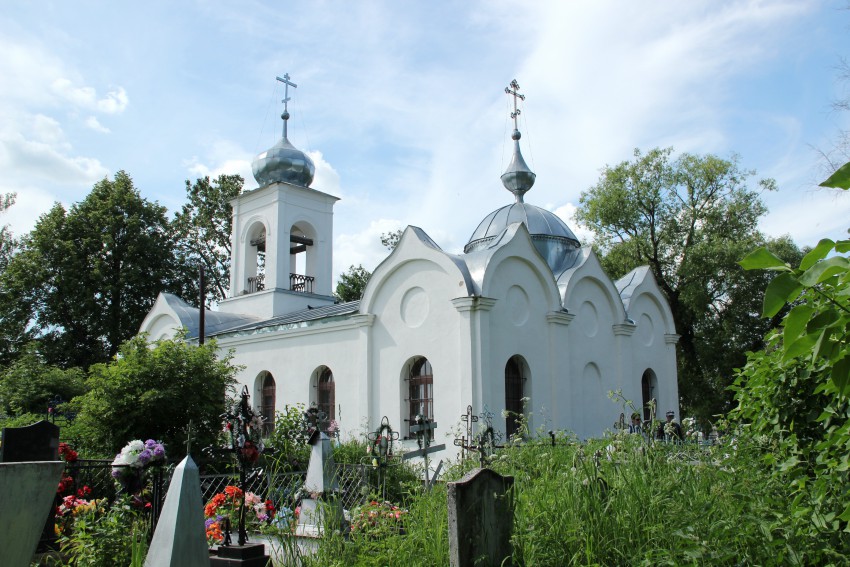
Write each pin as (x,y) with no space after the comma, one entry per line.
(414,307)
(646,330)
(588,319)
(517,303)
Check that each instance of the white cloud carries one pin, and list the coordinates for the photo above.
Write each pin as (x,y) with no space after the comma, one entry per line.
(364,247)
(567,213)
(85,97)
(93,123)
(326,178)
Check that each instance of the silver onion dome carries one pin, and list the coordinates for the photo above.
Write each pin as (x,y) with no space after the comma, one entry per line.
(283,163)
(518,178)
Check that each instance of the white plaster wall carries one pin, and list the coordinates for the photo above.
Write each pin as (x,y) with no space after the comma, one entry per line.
(415,317)
(652,351)
(293,356)
(594,359)
(518,326)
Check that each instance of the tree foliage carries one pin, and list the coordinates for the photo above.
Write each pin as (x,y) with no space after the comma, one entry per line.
(390,239)
(796,392)
(203,228)
(14,314)
(28,384)
(690,219)
(352,284)
(153,392)
(86,278)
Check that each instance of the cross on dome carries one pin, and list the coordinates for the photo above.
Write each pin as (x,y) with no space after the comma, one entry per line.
(513,90)
(285,80)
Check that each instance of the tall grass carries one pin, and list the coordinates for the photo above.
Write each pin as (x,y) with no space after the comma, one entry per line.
(614,501)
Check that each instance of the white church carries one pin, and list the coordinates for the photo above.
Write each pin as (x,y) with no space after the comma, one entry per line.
(525,319)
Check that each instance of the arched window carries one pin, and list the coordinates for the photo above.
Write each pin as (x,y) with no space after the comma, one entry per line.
(420,391)
(514,392)
(326,394)
(268,402)
(648,388)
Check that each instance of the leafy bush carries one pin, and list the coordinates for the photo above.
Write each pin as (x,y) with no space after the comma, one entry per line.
(153,392)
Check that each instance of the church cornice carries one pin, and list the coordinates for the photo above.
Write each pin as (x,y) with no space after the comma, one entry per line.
(300,329)
(671,338)
(560,317)
(624,329)
(473,303)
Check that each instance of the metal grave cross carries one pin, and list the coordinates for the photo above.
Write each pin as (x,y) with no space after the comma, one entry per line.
(469,418)
(380,451)
(422,428)
(285,80)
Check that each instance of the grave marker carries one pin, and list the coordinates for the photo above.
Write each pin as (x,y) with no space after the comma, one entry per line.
(36,442)
(423,428)
(481,515)
(380,449)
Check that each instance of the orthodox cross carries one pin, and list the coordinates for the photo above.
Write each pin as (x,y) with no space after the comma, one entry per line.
(422,428)
(285,80)
(513,89)
(469,418)
(380,449)
(239,420)
(316,420)
(487,441)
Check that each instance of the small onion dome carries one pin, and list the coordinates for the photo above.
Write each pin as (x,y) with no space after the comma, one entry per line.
(283,163)
(518,178)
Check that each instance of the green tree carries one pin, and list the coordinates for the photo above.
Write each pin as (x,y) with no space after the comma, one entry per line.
(796,393)
(203,228)
(390,239)
(352,284)
(153,392)
(14,314)
(690,219)
(28,384)
(90,275)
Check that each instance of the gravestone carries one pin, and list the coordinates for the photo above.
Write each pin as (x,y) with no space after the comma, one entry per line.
(424,428)
(36,442)
(27,491)
(321,482)
(180,539)
(481,517)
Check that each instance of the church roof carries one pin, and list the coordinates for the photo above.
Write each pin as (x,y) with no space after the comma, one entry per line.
(189,317)
(299,318)
(627,285)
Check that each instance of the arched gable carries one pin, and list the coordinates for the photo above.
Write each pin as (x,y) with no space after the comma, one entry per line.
(638,290)
(588,270)
(414,246)
(519,250)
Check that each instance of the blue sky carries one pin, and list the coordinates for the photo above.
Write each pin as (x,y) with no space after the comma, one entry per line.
(402,104)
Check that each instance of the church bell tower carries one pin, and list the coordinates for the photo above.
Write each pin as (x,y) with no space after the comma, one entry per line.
(282,241)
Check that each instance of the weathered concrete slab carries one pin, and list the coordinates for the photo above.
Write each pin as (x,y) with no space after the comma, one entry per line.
(180,539)
(481,517)
(26,499)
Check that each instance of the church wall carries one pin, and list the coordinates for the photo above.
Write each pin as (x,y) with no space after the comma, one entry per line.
(593,367)
(293,356)
(519,327)
(652,351)
(415,317)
